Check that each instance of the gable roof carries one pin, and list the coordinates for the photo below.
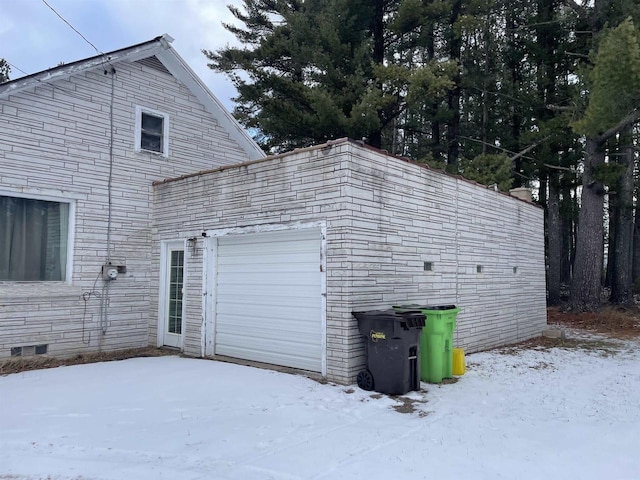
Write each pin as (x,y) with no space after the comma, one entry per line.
(160,47)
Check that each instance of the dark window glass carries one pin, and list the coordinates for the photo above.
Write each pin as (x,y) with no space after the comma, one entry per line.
(152,133)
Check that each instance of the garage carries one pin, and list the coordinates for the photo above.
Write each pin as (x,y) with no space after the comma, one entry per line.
(269,298)
(279,252)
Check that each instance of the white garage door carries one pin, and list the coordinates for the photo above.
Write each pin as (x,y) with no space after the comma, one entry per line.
(269,298)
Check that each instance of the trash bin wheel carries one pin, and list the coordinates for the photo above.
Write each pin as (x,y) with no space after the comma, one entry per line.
(365,380)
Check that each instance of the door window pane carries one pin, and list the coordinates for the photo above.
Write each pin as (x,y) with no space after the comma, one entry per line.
(176,272)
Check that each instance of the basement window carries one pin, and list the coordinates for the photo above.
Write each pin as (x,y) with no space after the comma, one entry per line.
(29,350)
(152,131)
(34,239)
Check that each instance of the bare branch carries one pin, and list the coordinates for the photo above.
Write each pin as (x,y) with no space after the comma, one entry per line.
(504,150)
(529,148)
(633,117)
(560,108)
(558,167)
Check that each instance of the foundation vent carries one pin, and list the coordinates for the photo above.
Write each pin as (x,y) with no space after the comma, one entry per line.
(29,350)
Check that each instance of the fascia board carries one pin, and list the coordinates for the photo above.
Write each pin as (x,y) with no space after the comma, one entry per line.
(65,72)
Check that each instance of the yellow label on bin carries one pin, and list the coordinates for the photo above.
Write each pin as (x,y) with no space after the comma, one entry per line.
(375,336)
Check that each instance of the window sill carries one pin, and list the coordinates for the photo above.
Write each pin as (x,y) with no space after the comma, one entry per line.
(151,152)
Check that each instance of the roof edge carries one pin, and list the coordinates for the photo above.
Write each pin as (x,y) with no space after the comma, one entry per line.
(61,71)
(330,143)
(177,65)
(340,141)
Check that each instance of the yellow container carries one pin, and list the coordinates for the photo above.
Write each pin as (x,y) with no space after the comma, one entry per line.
(459,364)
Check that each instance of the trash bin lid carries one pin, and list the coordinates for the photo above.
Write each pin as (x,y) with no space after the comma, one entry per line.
(419,308)
(408,319)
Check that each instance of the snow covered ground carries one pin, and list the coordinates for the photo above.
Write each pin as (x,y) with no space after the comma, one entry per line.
(534,414)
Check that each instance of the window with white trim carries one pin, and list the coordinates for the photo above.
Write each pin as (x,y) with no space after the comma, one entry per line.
(34,239)
(152,131)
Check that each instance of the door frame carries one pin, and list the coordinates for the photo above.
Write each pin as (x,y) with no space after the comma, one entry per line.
(210,267)
(166,246)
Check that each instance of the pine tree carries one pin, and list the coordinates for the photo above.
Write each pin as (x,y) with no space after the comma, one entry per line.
(613,106)
(313,70)
(5,70)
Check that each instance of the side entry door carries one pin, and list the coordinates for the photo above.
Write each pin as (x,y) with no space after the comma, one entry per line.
(171,295)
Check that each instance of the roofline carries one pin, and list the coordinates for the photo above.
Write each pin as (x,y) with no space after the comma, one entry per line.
(331,143)
(227,121)
(161,48)
(13,86)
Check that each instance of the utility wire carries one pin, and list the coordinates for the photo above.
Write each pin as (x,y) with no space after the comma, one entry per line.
(104,57)
(14,67)
(72,27)
(71,93)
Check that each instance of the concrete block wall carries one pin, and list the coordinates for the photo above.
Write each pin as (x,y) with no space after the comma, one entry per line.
(55,142)
(302,186)
(406,215)
(384,219)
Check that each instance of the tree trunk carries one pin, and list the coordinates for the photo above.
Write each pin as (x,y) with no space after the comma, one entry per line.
(377,32)
(610,238)
(587,269)
(621,280)
(514,67)
(636,242)
(453,98)
(568,208)
(554,243)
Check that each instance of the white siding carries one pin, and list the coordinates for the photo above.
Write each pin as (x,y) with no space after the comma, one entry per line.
(384,218)
(55,140)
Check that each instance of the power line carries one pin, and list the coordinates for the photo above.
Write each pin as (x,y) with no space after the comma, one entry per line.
(53,87)
(14,67)
(72,27)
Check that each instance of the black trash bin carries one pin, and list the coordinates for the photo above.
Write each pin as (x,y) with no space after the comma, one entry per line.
(393,350)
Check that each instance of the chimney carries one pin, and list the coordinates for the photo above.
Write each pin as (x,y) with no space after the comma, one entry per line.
(523,193)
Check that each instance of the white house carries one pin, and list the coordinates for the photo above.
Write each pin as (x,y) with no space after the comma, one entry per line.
(135,211)
(80,145)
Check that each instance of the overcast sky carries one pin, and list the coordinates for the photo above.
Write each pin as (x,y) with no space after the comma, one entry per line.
(33,38)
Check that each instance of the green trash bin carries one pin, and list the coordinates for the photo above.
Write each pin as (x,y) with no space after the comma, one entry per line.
(436,342)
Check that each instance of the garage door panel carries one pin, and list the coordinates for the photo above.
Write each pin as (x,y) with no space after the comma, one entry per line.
(271,337)
(300,322)
(286,260)
(274,357)
(280,267)
(289,292)
(258,280)
(269,298)
(266,311)
(275,237)
(260,345)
